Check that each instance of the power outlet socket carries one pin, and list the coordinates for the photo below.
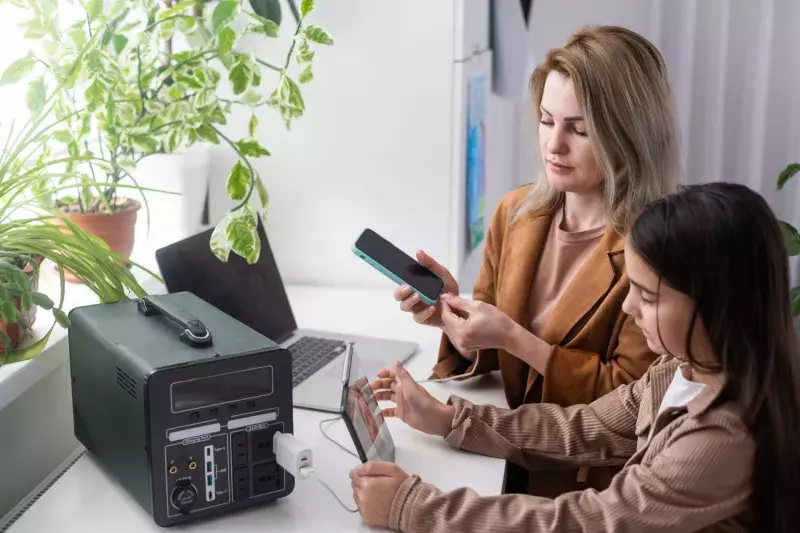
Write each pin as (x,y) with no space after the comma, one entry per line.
(239,448)
(241,484)
(261,444)
(267,477)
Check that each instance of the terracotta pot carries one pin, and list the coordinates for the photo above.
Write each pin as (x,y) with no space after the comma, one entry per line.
(15,331)
(116,229)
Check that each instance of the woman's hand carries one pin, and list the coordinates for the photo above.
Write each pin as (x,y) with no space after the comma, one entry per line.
(413,404)
(430,315)
(375,485)
(472,325)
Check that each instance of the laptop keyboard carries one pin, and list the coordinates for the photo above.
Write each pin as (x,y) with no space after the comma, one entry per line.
(309,354)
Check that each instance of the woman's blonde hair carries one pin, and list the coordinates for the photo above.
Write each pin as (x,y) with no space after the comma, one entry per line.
(624,93)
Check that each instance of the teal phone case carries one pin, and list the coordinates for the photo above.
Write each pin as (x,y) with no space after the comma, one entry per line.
(377,266)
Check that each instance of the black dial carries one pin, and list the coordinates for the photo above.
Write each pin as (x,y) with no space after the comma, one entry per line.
(183,496)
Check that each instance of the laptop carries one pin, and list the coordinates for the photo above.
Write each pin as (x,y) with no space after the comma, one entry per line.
(255,295)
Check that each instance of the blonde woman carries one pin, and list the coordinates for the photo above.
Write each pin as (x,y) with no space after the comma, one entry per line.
(547,308)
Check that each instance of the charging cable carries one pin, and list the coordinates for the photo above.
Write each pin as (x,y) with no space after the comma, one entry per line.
(323,430)
(297,459)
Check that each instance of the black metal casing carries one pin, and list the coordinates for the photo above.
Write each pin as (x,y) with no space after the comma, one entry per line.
(159,405)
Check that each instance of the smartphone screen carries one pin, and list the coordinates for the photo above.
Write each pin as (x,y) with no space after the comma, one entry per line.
(400,264)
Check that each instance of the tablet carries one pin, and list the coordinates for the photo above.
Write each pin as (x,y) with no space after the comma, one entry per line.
(361,413)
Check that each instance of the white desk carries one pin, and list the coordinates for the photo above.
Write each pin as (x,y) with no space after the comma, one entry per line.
(86,500)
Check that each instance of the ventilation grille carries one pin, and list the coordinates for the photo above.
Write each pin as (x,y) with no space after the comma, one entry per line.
(127,383)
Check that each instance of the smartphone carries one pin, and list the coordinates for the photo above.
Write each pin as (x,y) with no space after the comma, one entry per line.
(399,267)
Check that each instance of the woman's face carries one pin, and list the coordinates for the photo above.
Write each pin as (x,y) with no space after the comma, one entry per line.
(567,154)
(663,313)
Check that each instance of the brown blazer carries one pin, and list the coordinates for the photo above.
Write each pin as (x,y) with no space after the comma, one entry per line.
(596,347)
(688,468)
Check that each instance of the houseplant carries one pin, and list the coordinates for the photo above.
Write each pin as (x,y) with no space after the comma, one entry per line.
(790,233)
(31,232)
(133,95)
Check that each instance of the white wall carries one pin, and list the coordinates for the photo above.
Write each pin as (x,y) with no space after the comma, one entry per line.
(373,149)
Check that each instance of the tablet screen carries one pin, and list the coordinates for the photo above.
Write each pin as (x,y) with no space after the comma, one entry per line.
(363,417)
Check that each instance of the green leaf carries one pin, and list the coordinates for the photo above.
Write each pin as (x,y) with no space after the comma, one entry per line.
(12,289)
(36,96)
(176,9)
(78,35)
(61,317)
(267,27)
(267,9)
(227,40)
(306,7)
(251,98)
(94,9)
(243,234)
(252,126)
(251,149)
(306,76)
(787,174)
(25,301)
(256,76)
(225,13)
(95,94)
(41,299)
(8,311)
(146,141)
(263,195)
(174,140)
(317,35)
(17,70)
(119,43)
(208,133)
(62,136)
(219,243)
(240,77)
(791,238)
(295,95)
(795,296)
(238,181)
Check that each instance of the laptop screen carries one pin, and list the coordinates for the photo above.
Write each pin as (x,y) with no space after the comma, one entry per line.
(252,294)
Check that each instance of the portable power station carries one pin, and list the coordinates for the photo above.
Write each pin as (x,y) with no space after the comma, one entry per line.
(179,402)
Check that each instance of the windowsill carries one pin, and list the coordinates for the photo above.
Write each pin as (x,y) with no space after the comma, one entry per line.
(16,378)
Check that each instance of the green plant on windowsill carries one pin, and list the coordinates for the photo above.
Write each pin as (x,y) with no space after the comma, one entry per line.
(132,95)
(31,232)
(790,234)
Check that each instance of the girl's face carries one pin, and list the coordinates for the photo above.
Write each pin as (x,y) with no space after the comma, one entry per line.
(663,313)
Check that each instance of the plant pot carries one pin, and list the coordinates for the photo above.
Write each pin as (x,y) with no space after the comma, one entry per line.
(14,331)
(117,229)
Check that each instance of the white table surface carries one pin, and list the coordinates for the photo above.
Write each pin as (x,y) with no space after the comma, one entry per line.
(86,500)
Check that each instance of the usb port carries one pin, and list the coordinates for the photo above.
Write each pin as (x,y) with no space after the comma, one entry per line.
(209,449)
(209,466)
(210,479)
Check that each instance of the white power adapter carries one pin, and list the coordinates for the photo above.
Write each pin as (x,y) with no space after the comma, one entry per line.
(292,455)
(296,458)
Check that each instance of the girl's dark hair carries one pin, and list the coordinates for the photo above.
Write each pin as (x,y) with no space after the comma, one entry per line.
(720,244)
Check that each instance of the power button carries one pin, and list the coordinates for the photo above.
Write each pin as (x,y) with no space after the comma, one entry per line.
(183,496)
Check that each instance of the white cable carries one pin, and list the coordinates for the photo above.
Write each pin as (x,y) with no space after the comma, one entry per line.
(453,378)
(296,458)
(308,472)
(324,434)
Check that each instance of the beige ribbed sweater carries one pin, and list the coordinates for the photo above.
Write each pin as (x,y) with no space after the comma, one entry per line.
(687,469)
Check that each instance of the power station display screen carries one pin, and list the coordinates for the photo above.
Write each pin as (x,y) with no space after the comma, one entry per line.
(223,388)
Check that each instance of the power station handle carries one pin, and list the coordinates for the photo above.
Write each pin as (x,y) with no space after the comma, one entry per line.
(195,333)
